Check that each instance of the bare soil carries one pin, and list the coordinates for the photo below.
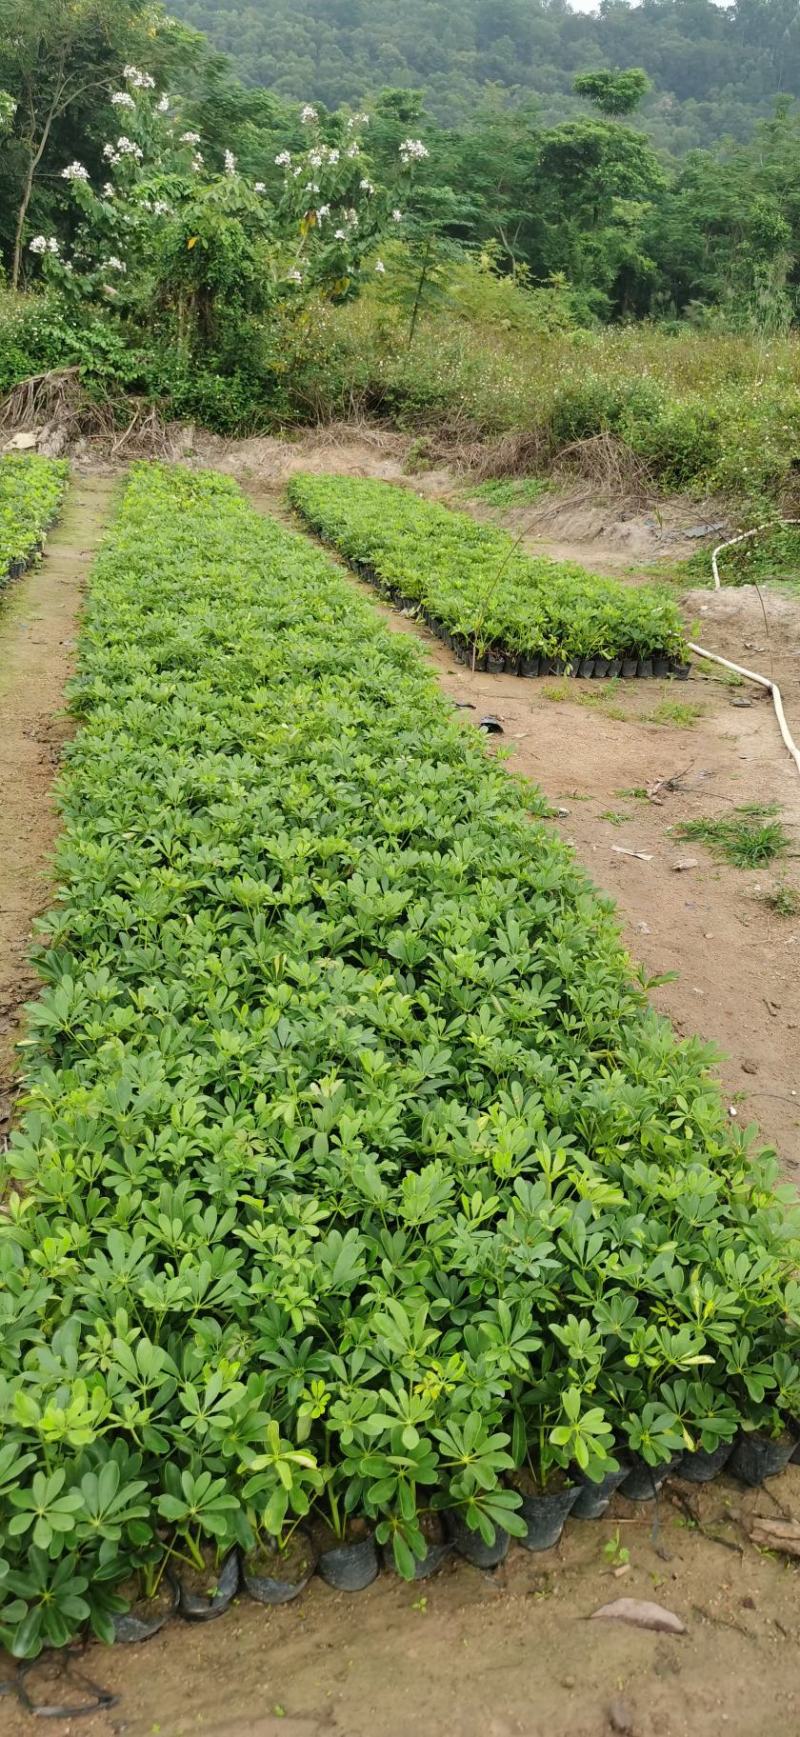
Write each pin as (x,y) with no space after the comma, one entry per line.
(469,1654)
(472,1654)
(38,620)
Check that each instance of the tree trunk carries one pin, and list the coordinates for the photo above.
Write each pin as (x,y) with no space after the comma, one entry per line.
(36,153)
(423,278)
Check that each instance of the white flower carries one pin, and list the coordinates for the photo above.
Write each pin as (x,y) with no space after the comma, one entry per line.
(284,160)
(128,148)
(162,106)
(161,208)
(366,186)
(332,154)
(351,217)
(75,172)
(190,138)
(311,187)
(123,100)
(353,150)
(198,162)
(38,244)
(413,151)
(397,216)
(363,120)
(308,114)
(230,163)
(108,152)
(115,264)
(296,172)
(316,159)
(380,267)
(259,186)
(295,276)
(340,235)
(52,245)
(108,190)
(323,212)
(68,266)
(139,80)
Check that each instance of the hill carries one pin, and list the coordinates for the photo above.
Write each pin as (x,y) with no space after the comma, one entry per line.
(715,70)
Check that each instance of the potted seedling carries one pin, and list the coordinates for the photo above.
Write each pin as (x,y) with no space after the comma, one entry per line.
(480,1515)
(345,1539)
(709,1422)
(279,1559)
(765,1443)
(657,1445)
(412,1536)
(564,1442)
(201,1514)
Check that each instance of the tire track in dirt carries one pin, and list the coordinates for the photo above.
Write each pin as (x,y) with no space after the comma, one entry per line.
(38,623)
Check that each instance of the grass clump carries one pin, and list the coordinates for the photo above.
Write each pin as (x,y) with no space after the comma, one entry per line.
(680,714)
(746,838)
(356,1174)
(504,492)
(783,898)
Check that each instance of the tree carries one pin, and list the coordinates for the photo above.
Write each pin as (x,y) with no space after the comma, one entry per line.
(613,93)
(56,56)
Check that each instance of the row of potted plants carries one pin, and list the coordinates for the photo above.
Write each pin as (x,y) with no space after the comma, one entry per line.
(31,491)
(357,1183)
(492,604)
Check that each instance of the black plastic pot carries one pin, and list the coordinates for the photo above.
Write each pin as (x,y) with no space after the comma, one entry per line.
(545,1517)
(593,1499)
(661,666)
(756,1457)
(600,668)
(701,1466)
(129,1628)
(585,668)
(559,667)
(472,1546)
(630,668)
(274,1588)
(644,1482)
(530,666)
(350,1567)
(435,1557)
(680,671)
(495,662)
(614,666)
(644,668)
(204,1607)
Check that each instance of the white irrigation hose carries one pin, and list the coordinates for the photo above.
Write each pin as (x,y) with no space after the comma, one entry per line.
(749,674)
(764,682)
(742,538)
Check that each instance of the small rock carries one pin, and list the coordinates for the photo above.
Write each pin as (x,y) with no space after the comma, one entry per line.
(682,863)
(567,1682)
(21,442)
(643,928)
(749,1067)
(561,813)
(620,1715)
(748,1603)
(742,703)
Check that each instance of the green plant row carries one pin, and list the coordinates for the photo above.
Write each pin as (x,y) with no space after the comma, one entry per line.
(355,1172)
(31,491)
(478,591)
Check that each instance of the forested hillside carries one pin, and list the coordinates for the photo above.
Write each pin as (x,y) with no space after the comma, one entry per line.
(715,71)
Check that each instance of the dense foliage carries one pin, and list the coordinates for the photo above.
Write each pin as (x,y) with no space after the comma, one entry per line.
(355,1169)
(30,495)
(478,590)
(714,69)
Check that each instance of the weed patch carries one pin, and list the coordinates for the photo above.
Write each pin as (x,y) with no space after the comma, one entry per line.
(745,838)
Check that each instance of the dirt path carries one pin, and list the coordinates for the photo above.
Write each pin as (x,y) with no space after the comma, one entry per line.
(503,1654)
(38,619)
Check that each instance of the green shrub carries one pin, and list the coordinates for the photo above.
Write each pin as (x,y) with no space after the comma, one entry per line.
(356,1171)
(474,584)
(31,489)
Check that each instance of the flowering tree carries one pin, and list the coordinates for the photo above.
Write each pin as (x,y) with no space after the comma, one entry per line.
(171,235)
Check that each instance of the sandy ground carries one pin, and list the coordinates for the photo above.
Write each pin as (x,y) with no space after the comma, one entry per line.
(470,1654)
